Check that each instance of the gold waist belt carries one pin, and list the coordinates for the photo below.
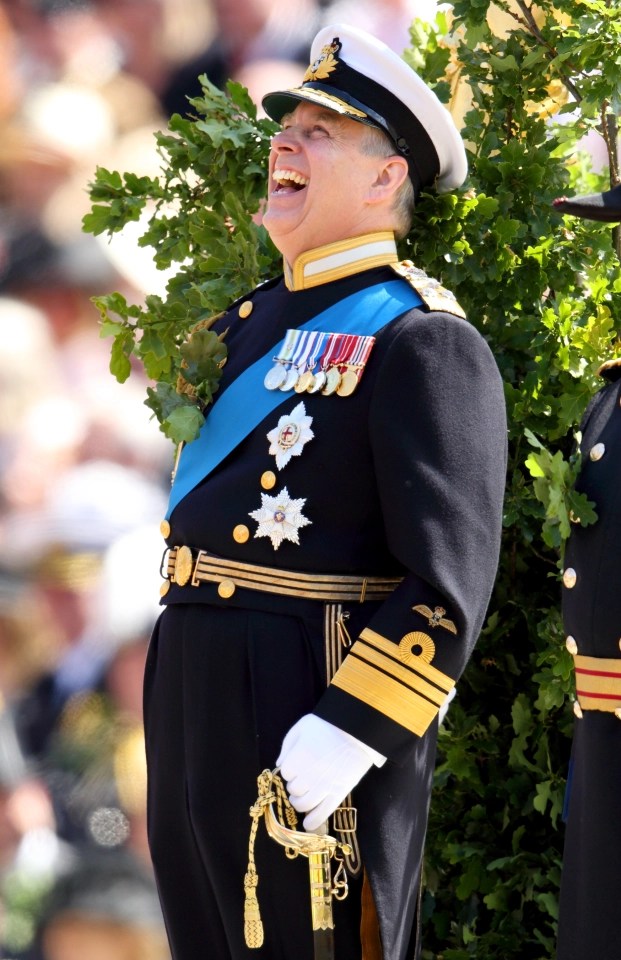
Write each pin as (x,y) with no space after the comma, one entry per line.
(598,683)
(183,566)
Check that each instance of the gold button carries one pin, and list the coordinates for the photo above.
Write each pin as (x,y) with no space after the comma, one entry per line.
(268,480)
(165,529)
(245,309)
(241,533)
(577,710)
(226,589)
(569,578)
(618,713)
(598,451)
(619,644)
(165,587)
(571,645)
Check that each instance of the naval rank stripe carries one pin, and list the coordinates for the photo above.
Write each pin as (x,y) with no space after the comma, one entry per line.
(373,674)
(246,402)
(598,683)
(599,673)
(598,696)
(389,649)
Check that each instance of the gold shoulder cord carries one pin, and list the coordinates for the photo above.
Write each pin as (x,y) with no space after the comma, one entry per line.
(319,850)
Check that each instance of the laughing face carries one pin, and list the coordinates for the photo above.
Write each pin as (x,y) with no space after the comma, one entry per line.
(322,186)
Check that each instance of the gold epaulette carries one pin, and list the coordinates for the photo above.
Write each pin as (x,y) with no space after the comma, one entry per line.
(610,369)
(431,292)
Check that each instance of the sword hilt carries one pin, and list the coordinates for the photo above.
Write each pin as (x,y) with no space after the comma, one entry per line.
(318,847)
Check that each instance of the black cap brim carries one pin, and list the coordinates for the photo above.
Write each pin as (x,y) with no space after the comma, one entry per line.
(605,207)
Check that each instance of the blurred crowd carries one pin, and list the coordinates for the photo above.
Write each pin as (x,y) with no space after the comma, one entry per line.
(84,473)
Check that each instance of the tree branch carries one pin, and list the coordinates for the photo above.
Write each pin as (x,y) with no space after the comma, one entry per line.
(530,24)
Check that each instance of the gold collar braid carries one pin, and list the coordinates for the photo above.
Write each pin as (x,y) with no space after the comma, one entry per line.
(341,259)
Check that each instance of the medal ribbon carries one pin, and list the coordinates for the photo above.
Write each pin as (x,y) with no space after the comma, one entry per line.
(305,348)
(284,357)
(332,346)
(245,402)
(348,343)
(361,354)
(289,347)
(312,360)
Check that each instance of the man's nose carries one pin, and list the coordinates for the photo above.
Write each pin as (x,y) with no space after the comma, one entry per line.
(285,140)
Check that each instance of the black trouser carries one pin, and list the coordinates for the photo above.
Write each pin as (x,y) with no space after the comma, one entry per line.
(222,688)
(589,904)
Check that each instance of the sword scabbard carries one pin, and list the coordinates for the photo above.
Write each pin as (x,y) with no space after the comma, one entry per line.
(320,876)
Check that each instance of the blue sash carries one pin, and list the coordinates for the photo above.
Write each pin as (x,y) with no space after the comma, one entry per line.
(247,402)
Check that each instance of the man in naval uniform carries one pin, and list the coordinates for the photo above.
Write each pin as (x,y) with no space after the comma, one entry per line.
(591,603)
(332,535)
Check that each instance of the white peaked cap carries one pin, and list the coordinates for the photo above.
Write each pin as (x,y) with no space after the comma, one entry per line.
(355,74)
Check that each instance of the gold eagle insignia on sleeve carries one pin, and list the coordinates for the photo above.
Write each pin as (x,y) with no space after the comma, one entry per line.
(435,618)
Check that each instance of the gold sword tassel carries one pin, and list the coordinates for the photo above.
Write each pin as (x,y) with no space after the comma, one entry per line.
(319,848)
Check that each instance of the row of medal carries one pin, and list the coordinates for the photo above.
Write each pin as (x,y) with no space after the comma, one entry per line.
(312,361)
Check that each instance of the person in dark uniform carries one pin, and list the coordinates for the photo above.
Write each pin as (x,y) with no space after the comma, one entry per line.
(332,535)
(591,604)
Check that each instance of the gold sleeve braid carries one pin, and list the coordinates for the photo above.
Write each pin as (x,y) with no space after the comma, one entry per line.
(410,693)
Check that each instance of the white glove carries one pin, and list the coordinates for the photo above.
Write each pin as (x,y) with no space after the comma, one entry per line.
(320,764)
(445,705)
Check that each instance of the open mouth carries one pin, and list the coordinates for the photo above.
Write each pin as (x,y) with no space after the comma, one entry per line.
(288,181)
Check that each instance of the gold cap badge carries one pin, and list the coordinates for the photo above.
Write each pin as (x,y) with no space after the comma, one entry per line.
(325,64)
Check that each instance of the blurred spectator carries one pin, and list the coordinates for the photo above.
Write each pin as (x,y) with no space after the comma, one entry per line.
(29,372)
(62,719)
(261,76)
(389,21)
(128,608)
(10,86)
(245,31)
(79,789)
(28,640)
(24,805)
(104,907)
(103,37)
(31,856)
(34,55)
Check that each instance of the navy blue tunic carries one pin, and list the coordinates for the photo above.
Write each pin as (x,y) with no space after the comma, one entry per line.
(591,879)
(403,478)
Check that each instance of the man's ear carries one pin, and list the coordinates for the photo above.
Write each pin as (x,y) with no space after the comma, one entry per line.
(391,173)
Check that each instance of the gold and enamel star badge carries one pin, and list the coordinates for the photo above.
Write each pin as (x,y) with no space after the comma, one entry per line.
(280,518)
(288,438)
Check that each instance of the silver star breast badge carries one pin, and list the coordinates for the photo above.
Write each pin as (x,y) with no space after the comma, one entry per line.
(280,518)
(288,438)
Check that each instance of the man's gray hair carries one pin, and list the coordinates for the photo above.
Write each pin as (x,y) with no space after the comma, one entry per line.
(376,143)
